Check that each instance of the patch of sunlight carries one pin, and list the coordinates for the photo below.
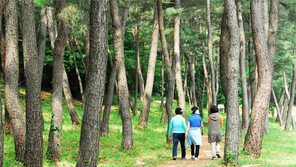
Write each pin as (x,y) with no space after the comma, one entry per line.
(115,127)
(160,130)
(71,127)
(65,164)
(46,116)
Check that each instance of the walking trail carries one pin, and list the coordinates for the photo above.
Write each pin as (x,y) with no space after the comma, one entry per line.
(205,156)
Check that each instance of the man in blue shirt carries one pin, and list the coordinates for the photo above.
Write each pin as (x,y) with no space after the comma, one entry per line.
(178,128)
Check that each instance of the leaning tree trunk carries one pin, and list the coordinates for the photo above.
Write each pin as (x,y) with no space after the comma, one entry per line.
(277,107)
(143,120)
(51,25)
(253,79)
(280,104)
(179,84)
(109,98)
(55,133)
(95,86)
(170,76)
(11,72)
(291,103)
(127,131)
(286,104)
(85,34)
(229,53)
(210,47)
(77,70)
(265,62)
(191,61)
(79,50)
(33,75)
(42,40)
(163,115)
(69,100)
(245,115)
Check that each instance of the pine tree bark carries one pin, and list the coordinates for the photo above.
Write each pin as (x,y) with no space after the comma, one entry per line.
(109,98)
(42,40)
(33,76)
(55,133)
(69,101)
(191,61)
(245,115)
(253,79)
(265,63)
(123,93)
(210,48)
(11,72)
(179,84)
(229,63)
(51,25)
(143,120)
(170,76)
(163,115)
(291,103)
(95,86)
(286,104)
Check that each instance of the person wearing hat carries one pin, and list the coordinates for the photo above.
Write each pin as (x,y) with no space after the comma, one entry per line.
(178,129)
(193,132)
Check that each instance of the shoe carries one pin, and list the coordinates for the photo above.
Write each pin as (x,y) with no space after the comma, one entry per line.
(193,157)
(218,155)
(213,158)
(196,159)
(174,158)
(184,159)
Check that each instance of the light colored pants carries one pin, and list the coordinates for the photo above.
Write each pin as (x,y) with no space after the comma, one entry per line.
(213,148)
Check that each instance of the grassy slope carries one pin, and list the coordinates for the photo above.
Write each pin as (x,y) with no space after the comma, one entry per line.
(149,144)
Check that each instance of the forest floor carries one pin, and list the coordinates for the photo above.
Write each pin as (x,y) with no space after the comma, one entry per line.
(150,147)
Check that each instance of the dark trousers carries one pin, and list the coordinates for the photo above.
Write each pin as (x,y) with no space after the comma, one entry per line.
(176,138)
(196,151)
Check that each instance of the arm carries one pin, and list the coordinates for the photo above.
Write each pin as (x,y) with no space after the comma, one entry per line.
(221,121)
(188,127)
(171,127)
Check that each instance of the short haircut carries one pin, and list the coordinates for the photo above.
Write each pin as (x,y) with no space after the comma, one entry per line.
(178,111)
(214,109)
(193,109)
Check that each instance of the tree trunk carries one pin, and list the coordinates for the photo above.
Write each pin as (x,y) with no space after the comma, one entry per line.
(291,103)
(266,122)
(253,81)
(210,47)
(95,86)
(216,73)
(245,115)
(265,62)
(55,133)
(179,84)
(277,107)
(85,35)
(51,26)
(191,61)
(79,51)
(11,72)
(163,115)
(33,75)
(127,131)
(286,105)
(209,92)
(143,120)
(139,75)
(229,54)
(42,40)
(170,76)
(280,104)
(69,100)
(286,88)
(124,16)
(77,70)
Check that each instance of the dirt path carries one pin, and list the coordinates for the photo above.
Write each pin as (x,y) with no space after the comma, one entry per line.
(205,156)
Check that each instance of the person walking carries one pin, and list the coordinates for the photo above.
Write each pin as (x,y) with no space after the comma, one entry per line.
(215,123)
(178,129)
(193,133)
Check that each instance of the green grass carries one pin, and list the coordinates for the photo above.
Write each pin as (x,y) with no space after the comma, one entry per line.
(149,143)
